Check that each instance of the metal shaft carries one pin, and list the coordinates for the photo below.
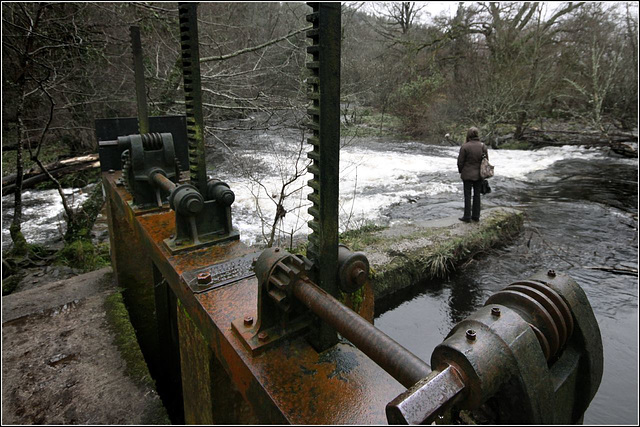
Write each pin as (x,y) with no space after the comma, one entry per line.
(163,182)
(141,91)
(193,94)
(399,362)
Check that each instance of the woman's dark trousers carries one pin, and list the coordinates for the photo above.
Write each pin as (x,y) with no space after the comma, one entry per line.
(469,211)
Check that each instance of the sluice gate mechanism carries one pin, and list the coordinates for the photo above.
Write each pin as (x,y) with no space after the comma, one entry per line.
(245,336)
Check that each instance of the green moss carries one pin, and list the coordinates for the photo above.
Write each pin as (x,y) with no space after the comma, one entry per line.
(361,237)
(11,283)
(82,254)
(356,298)
(127,344)
(442,256)
(20,247)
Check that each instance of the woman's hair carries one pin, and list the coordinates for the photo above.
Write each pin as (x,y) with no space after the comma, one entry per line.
(472,133)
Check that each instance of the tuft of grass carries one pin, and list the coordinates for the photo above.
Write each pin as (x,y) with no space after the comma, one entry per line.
(361,237)
(84,255)
(439,259)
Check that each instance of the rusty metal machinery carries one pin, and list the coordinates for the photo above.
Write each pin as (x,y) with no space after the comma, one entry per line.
(193,93)
(142,157)
(141,92)
(324,95)
(200,220)
(532,354)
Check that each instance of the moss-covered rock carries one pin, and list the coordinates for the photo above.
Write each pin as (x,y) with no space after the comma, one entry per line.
(404,255)
(83,255)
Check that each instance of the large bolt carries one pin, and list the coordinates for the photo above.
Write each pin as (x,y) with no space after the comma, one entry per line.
(495,311)
(359,276)
(248,320)
(204,278)
(263,336)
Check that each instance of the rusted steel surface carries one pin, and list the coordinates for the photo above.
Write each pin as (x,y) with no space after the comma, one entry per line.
(290,383)
(399,362)
(421,403)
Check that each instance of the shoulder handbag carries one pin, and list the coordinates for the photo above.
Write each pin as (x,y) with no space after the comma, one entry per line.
(486,170)
(484,187)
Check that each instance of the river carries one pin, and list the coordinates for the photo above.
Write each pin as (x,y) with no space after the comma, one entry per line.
(581,209)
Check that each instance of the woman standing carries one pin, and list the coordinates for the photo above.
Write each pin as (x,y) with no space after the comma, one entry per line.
(469,161)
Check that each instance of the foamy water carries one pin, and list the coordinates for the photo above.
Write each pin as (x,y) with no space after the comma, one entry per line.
(371,180)
(43,214)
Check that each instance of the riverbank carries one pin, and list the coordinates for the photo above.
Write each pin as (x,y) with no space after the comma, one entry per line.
(411,252)
(81,363)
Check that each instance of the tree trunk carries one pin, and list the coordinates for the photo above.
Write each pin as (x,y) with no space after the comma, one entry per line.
(15,230)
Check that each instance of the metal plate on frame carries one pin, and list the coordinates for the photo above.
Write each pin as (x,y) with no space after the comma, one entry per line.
(222,274)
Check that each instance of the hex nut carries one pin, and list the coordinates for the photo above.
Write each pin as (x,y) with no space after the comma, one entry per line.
(204,278)
(471,335)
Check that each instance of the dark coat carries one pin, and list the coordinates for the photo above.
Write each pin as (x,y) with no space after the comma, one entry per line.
(469,159)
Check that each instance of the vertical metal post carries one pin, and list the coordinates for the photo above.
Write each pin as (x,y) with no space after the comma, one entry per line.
(193,93)
(141,91)
(324,93)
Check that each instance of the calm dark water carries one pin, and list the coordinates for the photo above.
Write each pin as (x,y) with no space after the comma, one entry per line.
(579,213)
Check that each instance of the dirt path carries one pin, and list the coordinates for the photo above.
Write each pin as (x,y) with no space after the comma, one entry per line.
(60,363)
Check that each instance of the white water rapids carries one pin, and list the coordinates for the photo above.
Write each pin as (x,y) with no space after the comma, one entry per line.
(373,176)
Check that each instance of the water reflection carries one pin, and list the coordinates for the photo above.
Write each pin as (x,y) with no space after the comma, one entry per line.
(579,214)
(465,296)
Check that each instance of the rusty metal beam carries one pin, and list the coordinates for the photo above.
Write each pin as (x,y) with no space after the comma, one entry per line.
(324,94)
(193,93)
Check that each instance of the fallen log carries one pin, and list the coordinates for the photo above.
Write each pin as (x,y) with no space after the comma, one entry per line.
(35,170)
(36,179)
(626,136)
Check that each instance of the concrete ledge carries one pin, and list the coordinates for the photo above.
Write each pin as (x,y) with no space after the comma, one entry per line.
(410,252)
(63,360)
